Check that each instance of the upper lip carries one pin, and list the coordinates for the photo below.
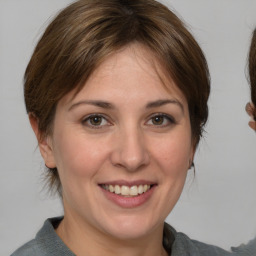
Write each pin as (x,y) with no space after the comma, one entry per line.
(128,183)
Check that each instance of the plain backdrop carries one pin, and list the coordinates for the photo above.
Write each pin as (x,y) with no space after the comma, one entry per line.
(218,205)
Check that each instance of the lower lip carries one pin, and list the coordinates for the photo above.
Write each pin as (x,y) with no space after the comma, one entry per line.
(129,202)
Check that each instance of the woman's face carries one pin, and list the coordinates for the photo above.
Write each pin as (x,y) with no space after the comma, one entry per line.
(122,146)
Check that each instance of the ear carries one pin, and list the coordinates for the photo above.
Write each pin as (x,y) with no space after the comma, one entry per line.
(44,143)
(191,158)
(250,109)
(252,124)
(192,153)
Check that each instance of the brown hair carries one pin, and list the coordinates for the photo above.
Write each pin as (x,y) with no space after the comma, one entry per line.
(252,70)
(87,31)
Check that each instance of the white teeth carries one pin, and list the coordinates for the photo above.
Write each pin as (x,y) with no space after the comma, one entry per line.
(127,191)
(134,191)
(111,188)
(117,190)
(140,189)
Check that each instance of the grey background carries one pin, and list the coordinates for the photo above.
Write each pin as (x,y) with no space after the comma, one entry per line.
(218,205)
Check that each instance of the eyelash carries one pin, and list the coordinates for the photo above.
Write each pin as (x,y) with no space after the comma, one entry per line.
(166,118)
(170,120)
(89,118)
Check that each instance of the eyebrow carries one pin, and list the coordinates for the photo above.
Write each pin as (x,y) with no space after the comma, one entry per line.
(107,105)
(97,103)
(159,103)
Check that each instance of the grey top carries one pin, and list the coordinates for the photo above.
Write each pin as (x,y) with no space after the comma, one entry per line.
(245,250)
(47,242)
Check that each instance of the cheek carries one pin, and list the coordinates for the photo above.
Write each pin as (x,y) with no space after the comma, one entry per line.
(173,155)
(77,155)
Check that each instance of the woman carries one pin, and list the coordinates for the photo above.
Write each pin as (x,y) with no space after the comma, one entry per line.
(250,248)
(252,75)
(116,93)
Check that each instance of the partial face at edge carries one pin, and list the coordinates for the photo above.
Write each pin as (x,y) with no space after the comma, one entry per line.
(250,109)
(122,131)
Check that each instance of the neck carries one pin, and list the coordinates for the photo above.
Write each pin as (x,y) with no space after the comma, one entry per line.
(83,239)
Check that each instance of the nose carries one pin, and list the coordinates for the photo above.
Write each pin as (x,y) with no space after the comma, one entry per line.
(130,150)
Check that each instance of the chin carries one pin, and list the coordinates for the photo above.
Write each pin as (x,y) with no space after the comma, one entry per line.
(131,228)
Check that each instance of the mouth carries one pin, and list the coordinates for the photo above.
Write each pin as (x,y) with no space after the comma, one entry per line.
(127,191)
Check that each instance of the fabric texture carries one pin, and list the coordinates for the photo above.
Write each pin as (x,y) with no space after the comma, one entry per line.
(47,242)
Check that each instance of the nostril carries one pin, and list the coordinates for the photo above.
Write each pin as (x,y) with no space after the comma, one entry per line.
(130,152)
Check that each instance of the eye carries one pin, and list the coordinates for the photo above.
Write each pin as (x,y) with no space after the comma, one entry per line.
(161,120)
(95,121)
(158,120)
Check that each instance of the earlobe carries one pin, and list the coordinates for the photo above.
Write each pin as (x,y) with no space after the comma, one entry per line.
(252,124)
(250,109)
(44,143)
(191,158)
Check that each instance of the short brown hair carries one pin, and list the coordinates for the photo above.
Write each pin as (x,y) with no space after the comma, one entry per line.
(87,31)
(252,69)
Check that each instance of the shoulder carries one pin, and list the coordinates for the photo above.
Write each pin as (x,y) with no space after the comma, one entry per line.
(46,242)
(245,250)
(183,245)
(28,249)
(198,248)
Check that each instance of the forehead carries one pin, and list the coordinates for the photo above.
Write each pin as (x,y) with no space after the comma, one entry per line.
(133,69)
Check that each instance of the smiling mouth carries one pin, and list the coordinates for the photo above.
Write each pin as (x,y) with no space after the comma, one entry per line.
(127,191)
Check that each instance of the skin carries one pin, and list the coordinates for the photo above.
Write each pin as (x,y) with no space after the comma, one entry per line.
(142,133)
(250,109)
